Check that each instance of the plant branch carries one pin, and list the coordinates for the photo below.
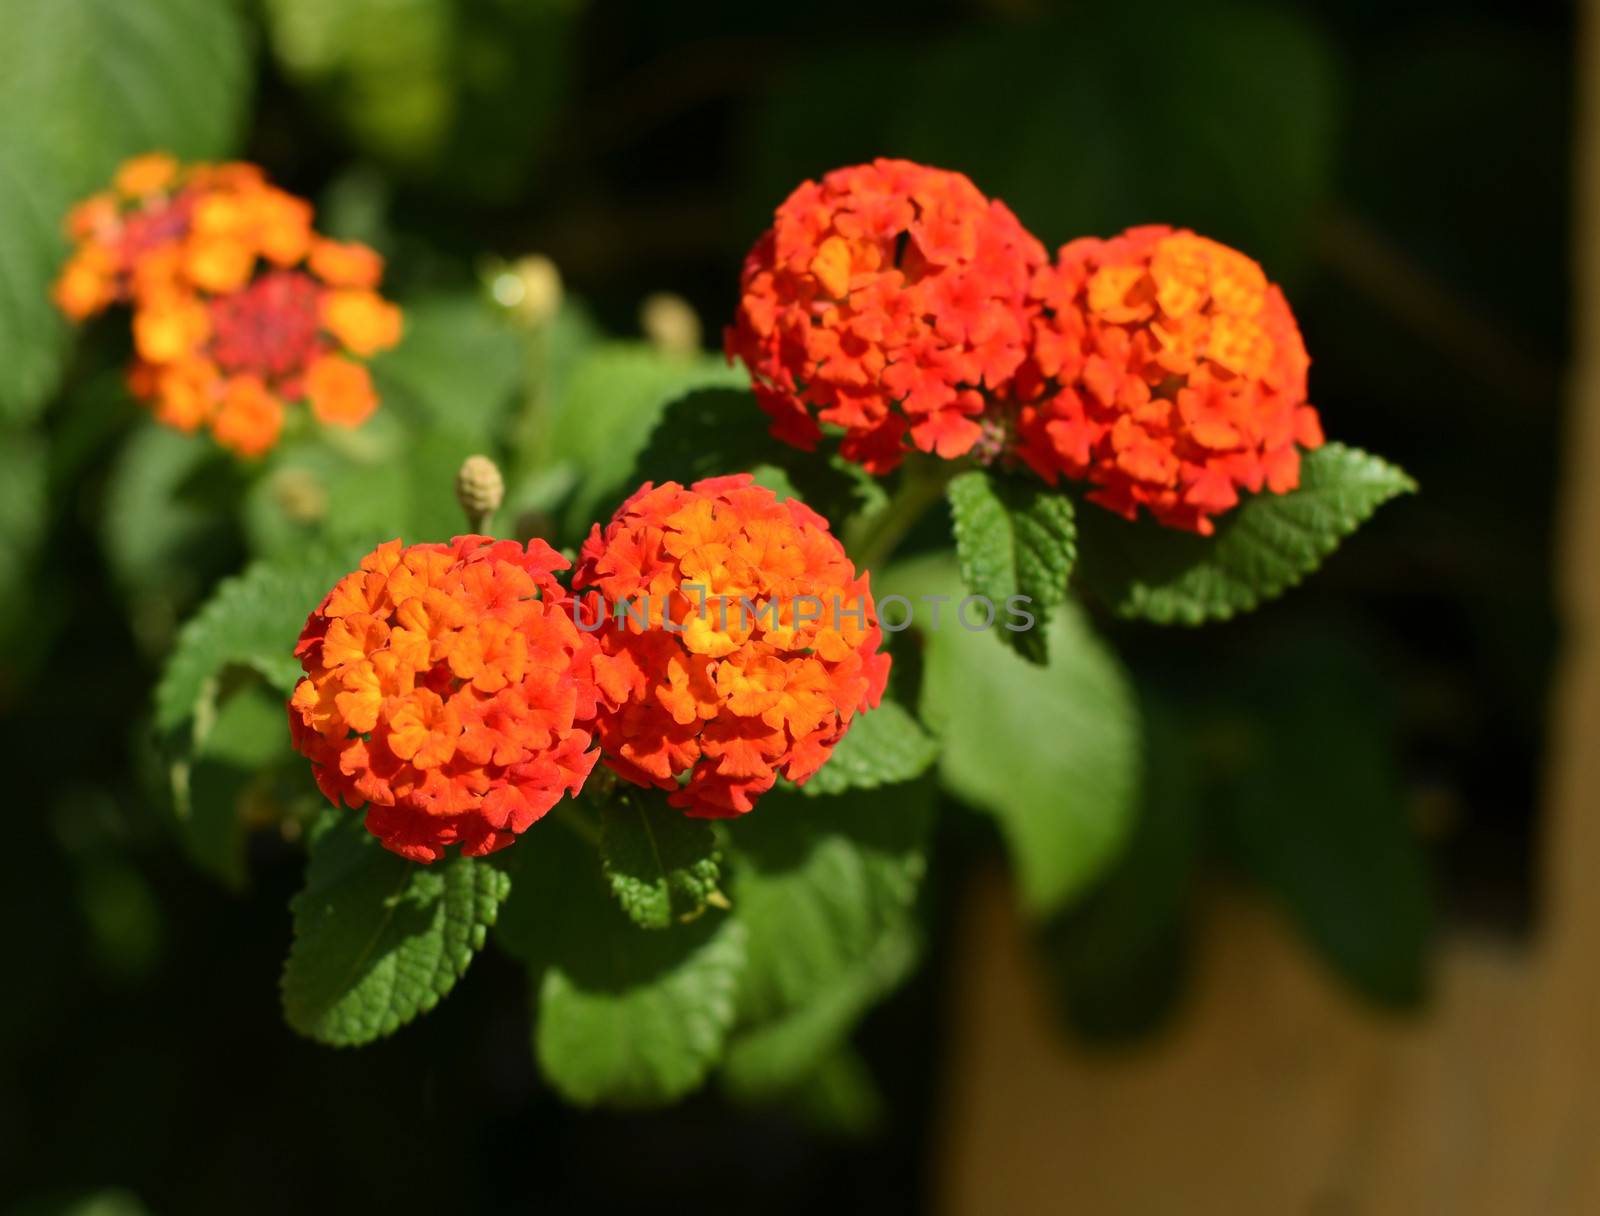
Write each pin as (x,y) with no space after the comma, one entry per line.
(874,539)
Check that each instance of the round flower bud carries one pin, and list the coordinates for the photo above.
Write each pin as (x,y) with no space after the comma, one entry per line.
(529,289)
(670,323)
(738,641)
(1168,372)
(300,494)
(448,690)
(890,300)
(479,488)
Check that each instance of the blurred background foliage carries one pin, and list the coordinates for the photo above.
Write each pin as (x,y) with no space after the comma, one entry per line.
(1365,752)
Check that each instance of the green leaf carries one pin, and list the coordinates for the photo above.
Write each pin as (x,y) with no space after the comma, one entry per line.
(604,416)
(248,737)
(378,940)
(826,888)
(388,479)
(1317,812)
(841,1098)
(884,746)
(84,84)
(1117,959)
(1017,539)
(394,93)
(714,431)
(662,865)
(773,1056)
(252,621)
(1052,753)
(458,368)
(624,1016)
(462,96)
(1262,547)
(156,537)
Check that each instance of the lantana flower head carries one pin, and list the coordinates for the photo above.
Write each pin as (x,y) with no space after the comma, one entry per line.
(738,641)
(890,300)
(1167,371)
(239,307)
(447,689)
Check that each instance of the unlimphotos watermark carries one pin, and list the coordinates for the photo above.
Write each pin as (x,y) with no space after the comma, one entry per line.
(974,613)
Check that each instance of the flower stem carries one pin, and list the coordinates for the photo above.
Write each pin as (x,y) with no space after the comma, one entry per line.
(873,540)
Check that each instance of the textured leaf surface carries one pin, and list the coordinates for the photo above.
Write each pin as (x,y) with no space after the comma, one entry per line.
(249,736)
(827,889)
(662,865)
(615,396)
(83,84)
(1261,548)
(623,1016)
(379,940)
(714,431)
(1051,752)
(1014,538)
(884,746)
(252,621)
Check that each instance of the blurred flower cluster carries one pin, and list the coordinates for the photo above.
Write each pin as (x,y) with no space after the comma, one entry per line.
(239,308)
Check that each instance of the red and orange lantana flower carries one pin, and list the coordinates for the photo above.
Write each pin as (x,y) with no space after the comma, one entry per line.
(737,639)
(1167,371)
(239,307)
(890,300)
(448,689)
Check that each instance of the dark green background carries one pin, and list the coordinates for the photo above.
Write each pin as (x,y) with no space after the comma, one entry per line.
(1401,168)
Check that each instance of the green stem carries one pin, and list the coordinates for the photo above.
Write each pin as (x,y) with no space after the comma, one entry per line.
(874,539)
(533,423)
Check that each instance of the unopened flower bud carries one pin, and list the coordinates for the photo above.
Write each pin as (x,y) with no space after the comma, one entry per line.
(479,489)
(671,323)
(301,495)
(529,289)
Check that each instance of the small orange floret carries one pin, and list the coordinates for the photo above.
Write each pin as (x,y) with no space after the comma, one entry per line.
(738,641)
(346,264)
(145,174)
(890,300)
(1168,372)
(448,690)
(228,286)
(340,391)
(363,321)
(248,418)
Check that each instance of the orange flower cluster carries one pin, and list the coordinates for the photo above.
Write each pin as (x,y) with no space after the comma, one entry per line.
(448,688)
(239,307)
(738,641)
(889,299)
(899,304)
(1167,371)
